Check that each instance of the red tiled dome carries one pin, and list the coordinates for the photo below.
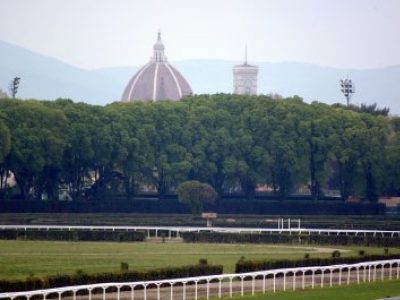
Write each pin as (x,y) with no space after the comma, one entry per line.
(157,80)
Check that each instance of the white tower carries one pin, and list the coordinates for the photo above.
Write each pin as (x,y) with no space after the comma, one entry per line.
(245,78)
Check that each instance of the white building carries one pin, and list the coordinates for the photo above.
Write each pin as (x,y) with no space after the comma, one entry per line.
(245,78)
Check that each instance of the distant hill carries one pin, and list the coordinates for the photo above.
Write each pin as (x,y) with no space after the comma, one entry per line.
(44,77)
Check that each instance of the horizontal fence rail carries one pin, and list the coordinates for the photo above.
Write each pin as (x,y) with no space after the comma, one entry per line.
(177,230)
(223,285)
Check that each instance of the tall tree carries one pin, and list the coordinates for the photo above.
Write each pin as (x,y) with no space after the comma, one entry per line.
(37,144)
(315,129)
(5,146)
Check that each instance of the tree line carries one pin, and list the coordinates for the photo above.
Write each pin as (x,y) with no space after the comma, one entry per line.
(234,143)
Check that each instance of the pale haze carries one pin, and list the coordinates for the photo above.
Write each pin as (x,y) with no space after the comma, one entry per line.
(103,33)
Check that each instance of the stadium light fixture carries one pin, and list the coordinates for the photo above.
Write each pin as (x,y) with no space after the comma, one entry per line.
(14,86)
(347,88)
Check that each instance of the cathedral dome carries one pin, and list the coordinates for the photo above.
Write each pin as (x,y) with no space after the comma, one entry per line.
(157,80)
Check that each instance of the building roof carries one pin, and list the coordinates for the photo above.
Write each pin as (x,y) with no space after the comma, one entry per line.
(245,64)
(157,80)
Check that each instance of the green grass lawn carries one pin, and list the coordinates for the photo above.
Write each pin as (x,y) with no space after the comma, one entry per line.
(19,259)
(365,291)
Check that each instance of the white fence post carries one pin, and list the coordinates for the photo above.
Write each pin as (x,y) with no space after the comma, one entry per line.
(364,273)
(253,282)
(369,273)
(230,287)
(264,280)
(294,280)
(284,281)
(132,292)
(348,275)
(241,286)
(158,291)
(322,278)
(274,282)
(220,288)
(312,278)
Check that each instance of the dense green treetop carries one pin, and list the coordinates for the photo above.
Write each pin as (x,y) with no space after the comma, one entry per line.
(234,143)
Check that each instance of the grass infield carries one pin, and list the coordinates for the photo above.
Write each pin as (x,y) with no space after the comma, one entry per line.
(19,259)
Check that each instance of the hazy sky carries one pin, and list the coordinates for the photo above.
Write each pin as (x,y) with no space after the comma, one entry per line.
(101,33)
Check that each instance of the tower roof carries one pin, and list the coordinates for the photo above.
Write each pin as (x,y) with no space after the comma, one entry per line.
(157,80)
(245,64)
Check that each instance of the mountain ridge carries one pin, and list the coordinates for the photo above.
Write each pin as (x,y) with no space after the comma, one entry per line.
(45,77)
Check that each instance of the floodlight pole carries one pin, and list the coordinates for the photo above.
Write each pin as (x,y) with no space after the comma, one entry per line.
(347,88)
(14,86)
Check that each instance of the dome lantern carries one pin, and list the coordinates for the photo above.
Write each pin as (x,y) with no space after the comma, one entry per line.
(158,50)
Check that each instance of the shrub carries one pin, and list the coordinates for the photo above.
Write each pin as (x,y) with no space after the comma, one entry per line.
(336,254)
(203,261)
(124,267)
(361,253)
(195,194)
(34,283)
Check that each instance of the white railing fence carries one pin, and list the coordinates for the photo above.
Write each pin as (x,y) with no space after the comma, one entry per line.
(222,285)
(176,231)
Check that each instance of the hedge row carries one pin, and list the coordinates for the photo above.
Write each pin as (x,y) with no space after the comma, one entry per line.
(74,235)
(215,237)
(208,237)
(243,265)
(172,206)
(82,278)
